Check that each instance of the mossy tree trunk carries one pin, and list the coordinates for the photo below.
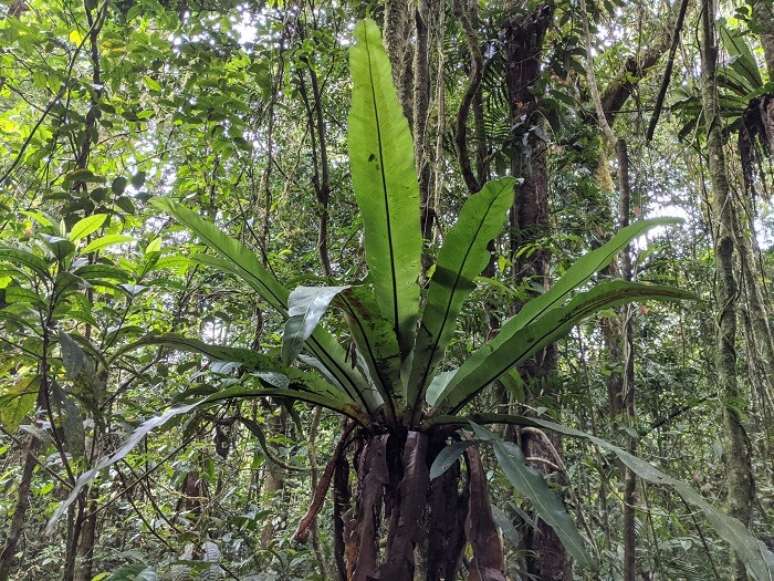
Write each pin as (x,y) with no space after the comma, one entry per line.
(736,449)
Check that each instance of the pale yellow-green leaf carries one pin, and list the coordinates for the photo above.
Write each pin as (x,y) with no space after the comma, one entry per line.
(86,226)
(106,241)
(76,37)
(18,401)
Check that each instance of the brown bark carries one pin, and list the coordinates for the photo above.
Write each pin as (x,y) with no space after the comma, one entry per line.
(447,514)
(397,27)
(634,70)
(529,214)
(487,563)
(363,539)
(763,17)
(85,551)
(274,477)
(302,532)
(529,222)
(341,505)
(625,399)
(737,454)
(552,562)
(465,12)
(421,107)
(406,514)
(20,509)
(321,182)
(667,76)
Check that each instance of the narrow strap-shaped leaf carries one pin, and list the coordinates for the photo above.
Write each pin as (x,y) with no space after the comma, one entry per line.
(250,360)
(241,260)
(111,459)
(236,259)
(744,62)
(447,457)
(247,357)
(758,559)
(296,391)
(547,503)
(577,274)
(462,258)
(496,357)
(385,184)
(155,422)
(306,307)
(325,348)
(581,271)
(376,343)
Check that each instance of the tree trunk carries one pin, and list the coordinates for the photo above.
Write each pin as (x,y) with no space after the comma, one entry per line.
(447,511)
(20,510)
(274,477)
(763,16)
(402,521)
(85,551)
(397,26)
(737,454)
(625,397)
(528,223)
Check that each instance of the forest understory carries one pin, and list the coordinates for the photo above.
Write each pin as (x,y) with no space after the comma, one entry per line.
(398,290)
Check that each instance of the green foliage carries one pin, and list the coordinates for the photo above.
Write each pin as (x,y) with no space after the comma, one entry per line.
(385,184)
(461,260)
(17,401)
(167,374)
(547,503)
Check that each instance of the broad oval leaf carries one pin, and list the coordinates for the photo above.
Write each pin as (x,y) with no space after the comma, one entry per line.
(17,401)
(73,357)
(106,241)
(86,226)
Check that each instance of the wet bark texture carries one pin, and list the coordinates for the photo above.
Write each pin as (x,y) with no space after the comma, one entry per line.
(406,513)
(529,215)
(87,539)
(274,477)
(397,31)
(552,562)
(625,399)
(487,563)
(763,16)
(341,504)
